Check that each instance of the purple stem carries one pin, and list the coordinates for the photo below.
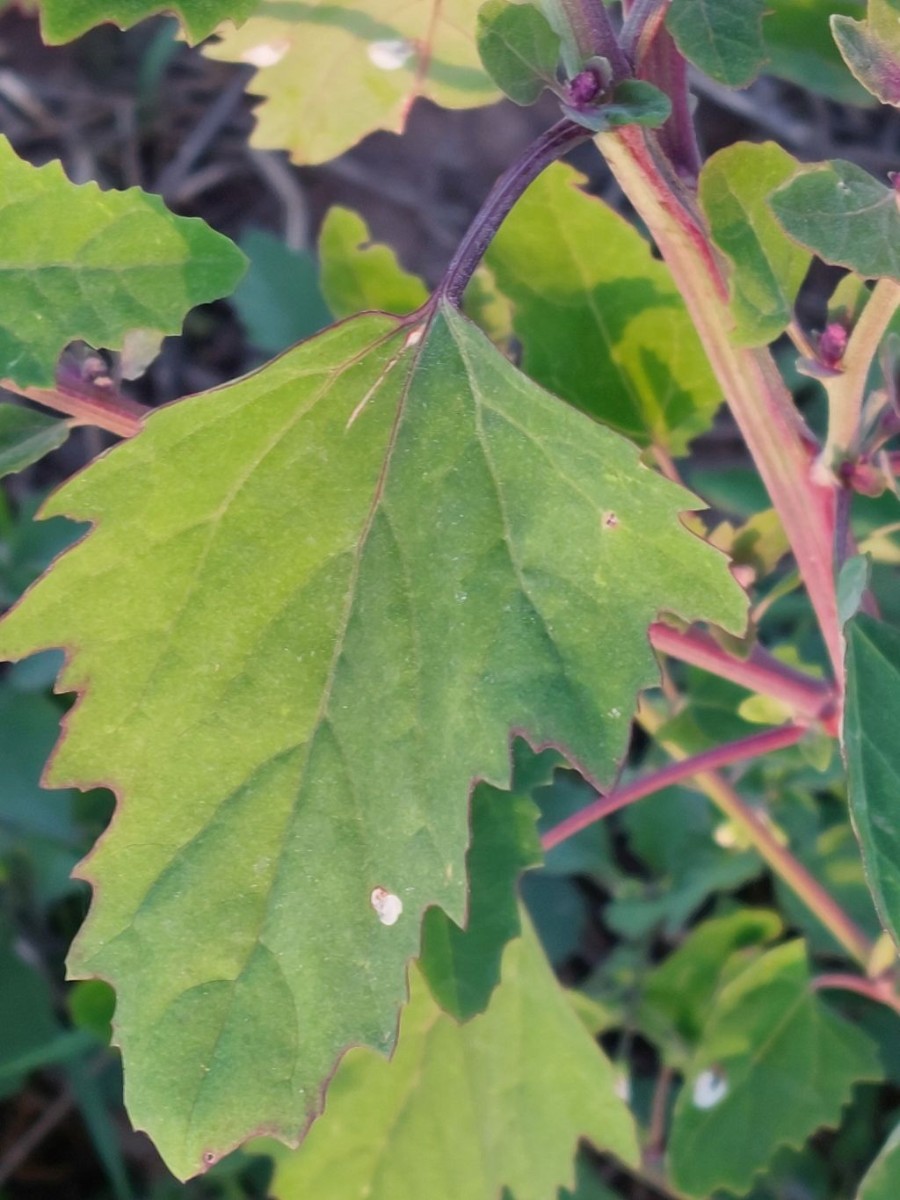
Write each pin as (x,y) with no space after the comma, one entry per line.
(709,760)
(549,147)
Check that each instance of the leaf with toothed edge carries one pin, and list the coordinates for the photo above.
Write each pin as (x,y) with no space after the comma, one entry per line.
(314,606)
(62,20)
(331,73)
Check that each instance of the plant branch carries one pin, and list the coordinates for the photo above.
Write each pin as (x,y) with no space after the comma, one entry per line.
(592,31)
(757,829)
(731,752)
(809,699)
(879,990)
(550,146)
(782,448)
(107,410)
(847,391)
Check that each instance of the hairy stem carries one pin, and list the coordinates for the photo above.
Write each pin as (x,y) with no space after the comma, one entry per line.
(810,699)
(720,756)
(546,149)
(112,412)
(847,390)
(782,448)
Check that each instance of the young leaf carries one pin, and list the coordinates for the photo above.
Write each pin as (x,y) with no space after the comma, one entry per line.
(843,214)
(26,436)
(462,1110)
(768,267)
(518,49)
(78,263)
(296,653)
(62,20)
(633,102)
(774,1060)
(330,74)
(600,320)
(872,751)
(871,48)
(882,1180)
(359,275)
(723,39)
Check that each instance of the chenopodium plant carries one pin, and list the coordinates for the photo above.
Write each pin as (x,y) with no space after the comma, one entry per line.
(318,604)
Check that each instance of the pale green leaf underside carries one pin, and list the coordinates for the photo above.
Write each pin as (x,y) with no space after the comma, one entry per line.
(767,267)
(332,72)
(844,215)
(464,1110)
(62,20)
(600,321)
(26,436)
(314,606)
(871,747)
(871,48)
(722,38)
(79,263)
(773,1059)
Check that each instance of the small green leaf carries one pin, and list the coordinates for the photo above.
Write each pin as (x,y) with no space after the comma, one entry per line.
(359,275)
(882,1180)
(600,320)
(844,215)
(722,38)
(851,585)
(62,20)
(518,48)
(801,48)
(773,1059)
(279,300)
(464,1110)
(331,73)
(78,263)
(394,550)
(768,268)
(634,102)
(871,48)
(26,436)
(872,750)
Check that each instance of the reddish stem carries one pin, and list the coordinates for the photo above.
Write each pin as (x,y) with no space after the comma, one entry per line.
(109,411)
(879,990)
(810,699)
(720,756)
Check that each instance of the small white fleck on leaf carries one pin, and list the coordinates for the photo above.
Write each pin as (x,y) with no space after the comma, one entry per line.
(266,54)
(710,1087)
(388,907)
(391,55)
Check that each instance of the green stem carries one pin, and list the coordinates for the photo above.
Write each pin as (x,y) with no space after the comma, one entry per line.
(847,391)
(775,435)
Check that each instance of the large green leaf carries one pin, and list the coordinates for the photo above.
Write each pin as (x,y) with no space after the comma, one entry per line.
(314,605)
(773,1060)
(332,72)
(882,1180)
(463,1110)
(871,48)
(26,436)
(78,263)
(871,747)
(600,320)
(720,37)
(768,267)
(62,20)
(844,215)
